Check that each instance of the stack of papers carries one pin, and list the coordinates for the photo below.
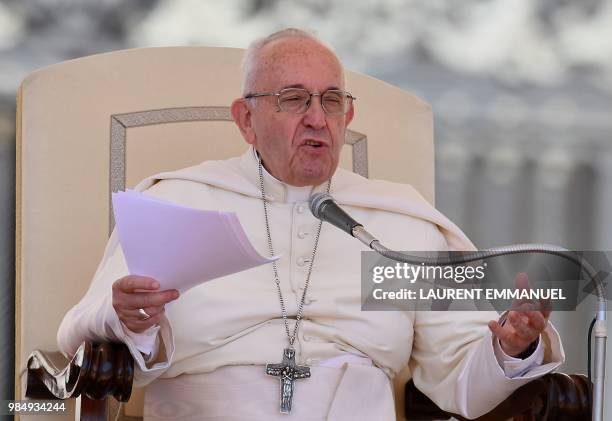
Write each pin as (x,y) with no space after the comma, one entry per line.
(179,246)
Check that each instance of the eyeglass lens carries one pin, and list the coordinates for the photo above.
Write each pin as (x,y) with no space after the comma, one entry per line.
(298,100)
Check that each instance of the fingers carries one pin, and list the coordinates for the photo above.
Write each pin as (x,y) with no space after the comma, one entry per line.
(128,293)
(139,326)
(538,321)
(137,300)
(525,322)
(509,341)
(504,334)
(545,308)
(521,282)
(133,320)
(131,283)
(134,292)
(495,328)
(520,330)
(136,315)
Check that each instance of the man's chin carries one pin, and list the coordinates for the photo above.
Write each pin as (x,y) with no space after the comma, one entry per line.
(311,178)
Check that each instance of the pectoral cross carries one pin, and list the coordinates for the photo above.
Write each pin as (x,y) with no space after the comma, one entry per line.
(288,372)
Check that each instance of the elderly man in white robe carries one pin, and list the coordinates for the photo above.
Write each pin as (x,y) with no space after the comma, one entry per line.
(205,355)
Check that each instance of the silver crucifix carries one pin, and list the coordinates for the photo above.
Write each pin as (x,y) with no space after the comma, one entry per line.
(288,372)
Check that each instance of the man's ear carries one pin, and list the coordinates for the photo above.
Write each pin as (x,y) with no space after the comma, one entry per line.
(242,117)
(348,117)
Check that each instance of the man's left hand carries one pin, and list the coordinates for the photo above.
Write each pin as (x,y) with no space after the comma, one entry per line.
(523,325)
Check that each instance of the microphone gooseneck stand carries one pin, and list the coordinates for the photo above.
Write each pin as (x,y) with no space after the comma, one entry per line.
(323,207)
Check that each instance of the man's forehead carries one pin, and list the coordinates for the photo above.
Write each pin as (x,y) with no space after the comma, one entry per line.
(302,86)
(290,59)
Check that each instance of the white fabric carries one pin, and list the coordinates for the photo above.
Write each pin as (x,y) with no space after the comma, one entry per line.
(351,392)
(516,367)
(236,320)
(147,342)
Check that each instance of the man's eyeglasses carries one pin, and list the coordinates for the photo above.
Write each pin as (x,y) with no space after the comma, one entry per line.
(297,100)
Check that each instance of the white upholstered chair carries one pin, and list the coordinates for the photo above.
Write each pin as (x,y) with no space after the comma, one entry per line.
(98,124)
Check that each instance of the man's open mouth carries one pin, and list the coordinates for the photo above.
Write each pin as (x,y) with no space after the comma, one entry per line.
(314,143)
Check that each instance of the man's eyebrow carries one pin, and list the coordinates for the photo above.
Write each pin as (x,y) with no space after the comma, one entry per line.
(300,86)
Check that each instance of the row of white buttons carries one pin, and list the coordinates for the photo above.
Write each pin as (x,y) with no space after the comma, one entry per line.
(301,261)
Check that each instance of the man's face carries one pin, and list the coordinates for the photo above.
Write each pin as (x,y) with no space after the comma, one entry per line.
(282,139)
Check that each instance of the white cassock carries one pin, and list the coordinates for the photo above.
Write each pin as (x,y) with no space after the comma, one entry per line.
(212,347)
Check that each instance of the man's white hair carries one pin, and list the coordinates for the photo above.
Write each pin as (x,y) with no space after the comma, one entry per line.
(251,56)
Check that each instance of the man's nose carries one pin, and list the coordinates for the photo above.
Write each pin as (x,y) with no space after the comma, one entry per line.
(315,115)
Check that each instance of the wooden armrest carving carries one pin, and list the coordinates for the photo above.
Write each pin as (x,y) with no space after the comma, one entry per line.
(556,396)
(97,370)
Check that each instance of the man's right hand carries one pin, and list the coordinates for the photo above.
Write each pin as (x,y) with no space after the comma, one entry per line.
(133,292)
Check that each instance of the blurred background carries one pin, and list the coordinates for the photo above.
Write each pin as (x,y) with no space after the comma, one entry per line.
(521,92)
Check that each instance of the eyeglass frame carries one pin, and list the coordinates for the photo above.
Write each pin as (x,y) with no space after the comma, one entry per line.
(319,94)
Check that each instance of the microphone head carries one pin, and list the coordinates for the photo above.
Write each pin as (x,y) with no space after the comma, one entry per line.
(316,202)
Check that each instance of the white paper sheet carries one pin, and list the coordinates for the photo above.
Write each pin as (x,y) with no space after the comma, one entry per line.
(180,247)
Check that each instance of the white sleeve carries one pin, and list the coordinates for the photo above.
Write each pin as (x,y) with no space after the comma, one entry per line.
(453,361)
(94,318)
(147,342)
(516,367)
(499,385)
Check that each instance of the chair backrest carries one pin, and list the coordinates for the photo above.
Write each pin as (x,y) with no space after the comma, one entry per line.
(90,126)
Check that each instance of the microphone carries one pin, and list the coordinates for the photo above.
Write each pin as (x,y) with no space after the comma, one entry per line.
(324,207)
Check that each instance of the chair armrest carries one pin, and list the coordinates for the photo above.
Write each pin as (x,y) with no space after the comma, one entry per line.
(96,370)
(555,396)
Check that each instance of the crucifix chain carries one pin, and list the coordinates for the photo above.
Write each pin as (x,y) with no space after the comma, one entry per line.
(298,318)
